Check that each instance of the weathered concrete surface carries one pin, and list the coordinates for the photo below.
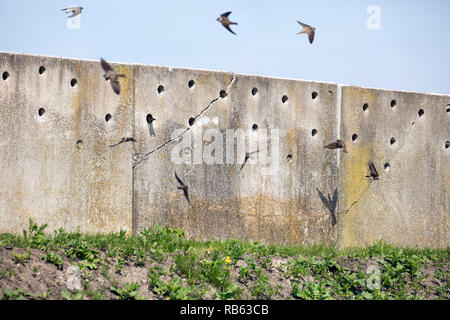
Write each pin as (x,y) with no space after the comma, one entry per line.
(316,195)
(45,174)
(409,204)
(280,208)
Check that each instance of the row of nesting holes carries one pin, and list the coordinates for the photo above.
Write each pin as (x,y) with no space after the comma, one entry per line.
(222,94)
(191,122)
(73,81)
(392,141)
(160,89)
(421,112)
(191,83)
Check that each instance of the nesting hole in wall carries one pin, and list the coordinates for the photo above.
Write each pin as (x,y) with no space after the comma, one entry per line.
(41,112)
(191,83)
(222,94)
(160,89)
(365,107)
(108,117)
(387,166)
(41,70)
(393,140)
(191,121)
(149,118)
(354,137)
(5,75)
(255,127)
(421,112)
(314,132)
(448,108)
(73,82)
(393,103)
(289,158)
(284,99)
(447,144)
(314,95)
(254,91)
(79,144)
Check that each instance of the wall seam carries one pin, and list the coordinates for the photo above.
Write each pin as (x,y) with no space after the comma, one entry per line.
(338,165)
(133,168)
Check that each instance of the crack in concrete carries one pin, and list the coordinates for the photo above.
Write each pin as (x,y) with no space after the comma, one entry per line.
(139,158)
(383,172)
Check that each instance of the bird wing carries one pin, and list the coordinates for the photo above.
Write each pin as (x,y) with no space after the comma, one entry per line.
(75,13)
(303,25)
(105,65)
(333,145)
(323,198)
(116,144)
(226,14)
(373,170)
(310,33)
(228,28)
(178,179)
(245,162)
(335,200)
(115,85)
(186,194)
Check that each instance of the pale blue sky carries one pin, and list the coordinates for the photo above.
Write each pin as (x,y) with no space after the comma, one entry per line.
(410,52)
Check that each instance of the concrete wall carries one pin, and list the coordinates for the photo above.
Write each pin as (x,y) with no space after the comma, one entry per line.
(316,195)
(410,203)
(57,168)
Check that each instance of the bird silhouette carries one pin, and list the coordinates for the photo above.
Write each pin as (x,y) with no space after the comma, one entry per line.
(150,120)
(223,19)
(127,139)
(111,75)
(330,203)
(310,31)
(373,171)
(339,144)
(247,156)
(183,187)
(74,10)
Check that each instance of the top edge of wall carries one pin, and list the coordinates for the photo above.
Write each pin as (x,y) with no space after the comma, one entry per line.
(231,72)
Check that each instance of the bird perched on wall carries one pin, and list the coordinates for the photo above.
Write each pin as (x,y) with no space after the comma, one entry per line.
(310,31)
(183,187)
(339,144)
(223,19)
(111,75)
(127,139)
(150,120)
(74,10)
(373,171)
(247,156)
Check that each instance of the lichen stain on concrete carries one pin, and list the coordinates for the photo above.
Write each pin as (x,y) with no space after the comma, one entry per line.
(357,96)
(293,98)
(292,138)
(355,183)
(204,78)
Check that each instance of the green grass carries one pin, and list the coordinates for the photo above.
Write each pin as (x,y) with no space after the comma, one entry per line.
(315,272)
